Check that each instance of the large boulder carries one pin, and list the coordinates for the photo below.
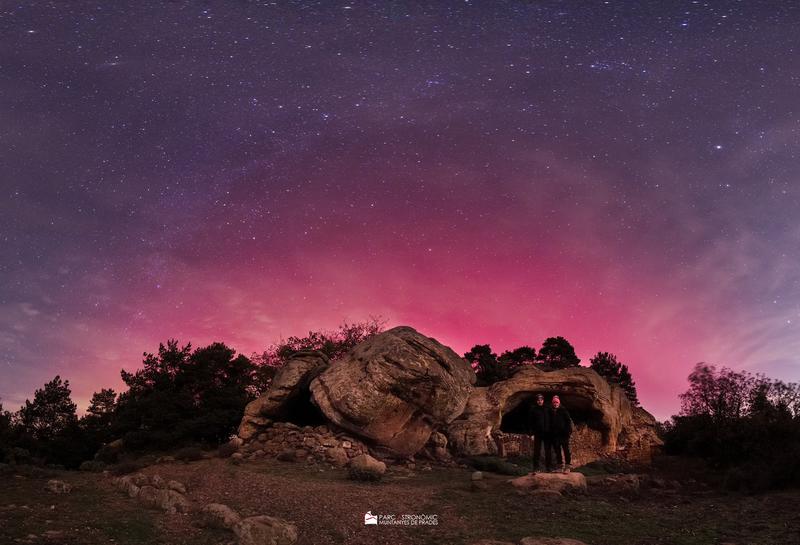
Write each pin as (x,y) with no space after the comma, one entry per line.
(394,389)
(606,421)
(290,382)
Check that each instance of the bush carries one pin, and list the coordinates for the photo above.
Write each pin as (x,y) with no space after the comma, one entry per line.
(189,454)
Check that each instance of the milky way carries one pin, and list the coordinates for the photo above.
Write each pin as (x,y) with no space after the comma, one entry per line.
(624,174)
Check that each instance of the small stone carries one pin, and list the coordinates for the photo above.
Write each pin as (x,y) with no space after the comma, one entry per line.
(58,487)
(477,475)
(265,530)
(217,515)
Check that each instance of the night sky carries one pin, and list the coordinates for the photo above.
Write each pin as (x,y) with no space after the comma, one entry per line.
(624,174)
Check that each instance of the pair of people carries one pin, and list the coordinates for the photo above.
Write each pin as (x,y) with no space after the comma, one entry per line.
(551,428)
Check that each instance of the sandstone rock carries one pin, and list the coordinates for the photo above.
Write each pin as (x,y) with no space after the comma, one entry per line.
(58,487)
(291,380)
(157,481)
(338,456)
(606,422)
(549,541)
(366,468)
(265,530)
(217,515)
(168,500)
(477,475)
(140,479)
(395,388)
(176,486)
(551,481)
(237,456)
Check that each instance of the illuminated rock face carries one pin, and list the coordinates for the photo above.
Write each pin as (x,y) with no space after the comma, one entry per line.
(393,390)
(396,389)
(606,424)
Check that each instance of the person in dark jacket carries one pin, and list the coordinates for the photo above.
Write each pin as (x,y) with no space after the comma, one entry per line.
(539,421)
(561,429)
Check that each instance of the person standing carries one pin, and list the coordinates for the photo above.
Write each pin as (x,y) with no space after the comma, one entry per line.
(539,422)
(560,430)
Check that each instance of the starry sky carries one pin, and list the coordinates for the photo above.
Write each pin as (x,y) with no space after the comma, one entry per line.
(624,174)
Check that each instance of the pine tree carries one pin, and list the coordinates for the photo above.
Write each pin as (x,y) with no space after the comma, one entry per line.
(607,366)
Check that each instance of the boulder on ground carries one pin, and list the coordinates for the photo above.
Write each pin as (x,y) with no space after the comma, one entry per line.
(395,388)
(265,530)
(337,456)
(217,515)
(58,487)
(290,381)
(160,498)
(558,482)
(176,486)
(366,468)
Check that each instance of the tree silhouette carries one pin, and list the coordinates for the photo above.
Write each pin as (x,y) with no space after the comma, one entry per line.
(180,396)
(50,413)
(557,353)
(607,366)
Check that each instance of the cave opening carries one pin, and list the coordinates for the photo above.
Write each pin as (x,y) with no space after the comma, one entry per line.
(302,411)
(515,417)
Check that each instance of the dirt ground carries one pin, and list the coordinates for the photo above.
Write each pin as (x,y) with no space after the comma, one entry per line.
(329,509)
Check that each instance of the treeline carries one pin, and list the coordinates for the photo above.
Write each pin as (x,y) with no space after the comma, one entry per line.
(555,353)
(196,396)
(180,396)
(745,425)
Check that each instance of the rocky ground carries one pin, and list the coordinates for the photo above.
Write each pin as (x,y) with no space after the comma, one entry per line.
(326,507)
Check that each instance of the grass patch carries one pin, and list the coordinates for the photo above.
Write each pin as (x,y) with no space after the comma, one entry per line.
(496,464)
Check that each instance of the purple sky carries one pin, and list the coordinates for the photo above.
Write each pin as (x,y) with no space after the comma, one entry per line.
(624,174)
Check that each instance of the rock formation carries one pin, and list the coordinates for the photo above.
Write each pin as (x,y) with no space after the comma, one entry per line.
(288,385)
(404,393)
(395,389)
(606,422)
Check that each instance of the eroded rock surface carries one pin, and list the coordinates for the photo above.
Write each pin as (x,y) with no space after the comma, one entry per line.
(395,389)
(606,422)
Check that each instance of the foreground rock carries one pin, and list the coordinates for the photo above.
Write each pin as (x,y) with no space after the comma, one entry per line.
(155,492)
(58,487)
(217,515)
(606,422)
(265,530)
(366,468)
(555,482)
(395,389)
